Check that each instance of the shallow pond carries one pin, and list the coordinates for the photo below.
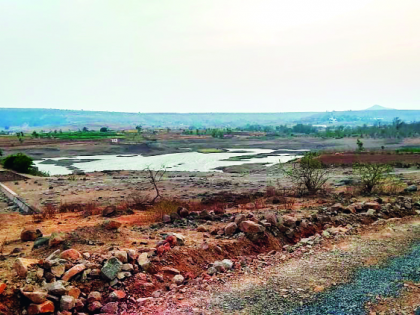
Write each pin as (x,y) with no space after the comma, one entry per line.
(188,161)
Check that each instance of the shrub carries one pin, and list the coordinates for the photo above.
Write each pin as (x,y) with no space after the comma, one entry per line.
(372,175)
(308,172)
(18,162)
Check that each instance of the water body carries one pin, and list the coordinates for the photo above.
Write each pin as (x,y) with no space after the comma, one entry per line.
(188,161)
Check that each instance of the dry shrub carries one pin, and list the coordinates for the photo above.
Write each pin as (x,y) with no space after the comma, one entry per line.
(270,191)
(138,202)
(70,207)
(3,245)
(218,207)
(165,206)
(48,212)
(391,186)
(194,205)
(90,208)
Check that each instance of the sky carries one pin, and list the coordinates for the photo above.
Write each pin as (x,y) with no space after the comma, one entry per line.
(210,55)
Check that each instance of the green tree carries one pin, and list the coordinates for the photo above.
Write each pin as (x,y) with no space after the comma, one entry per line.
(308,173)
(104,129)
(372,175)
(359,145)
(18,162)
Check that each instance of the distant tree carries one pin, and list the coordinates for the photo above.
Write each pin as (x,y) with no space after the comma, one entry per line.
(359,145)
(1,152)
(85,129)
(139,128)
(35,134)
(104,129)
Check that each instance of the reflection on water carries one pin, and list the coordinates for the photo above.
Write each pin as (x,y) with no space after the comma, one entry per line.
(188,161)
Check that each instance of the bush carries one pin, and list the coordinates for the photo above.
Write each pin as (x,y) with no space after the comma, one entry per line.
(372,175)
(308,173)
(18,162)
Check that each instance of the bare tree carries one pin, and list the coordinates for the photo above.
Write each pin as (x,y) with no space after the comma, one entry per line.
(155,177)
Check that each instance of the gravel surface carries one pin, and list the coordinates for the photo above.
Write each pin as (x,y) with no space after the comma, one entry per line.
(350,284)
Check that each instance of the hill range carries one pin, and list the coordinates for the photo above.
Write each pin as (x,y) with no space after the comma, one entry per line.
(27,119)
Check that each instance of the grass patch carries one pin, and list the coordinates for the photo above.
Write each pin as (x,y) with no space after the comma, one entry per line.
(408,150)
(211,150)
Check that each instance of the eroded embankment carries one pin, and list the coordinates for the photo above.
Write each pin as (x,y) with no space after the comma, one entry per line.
(348,278)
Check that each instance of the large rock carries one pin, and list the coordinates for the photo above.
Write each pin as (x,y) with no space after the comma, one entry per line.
(37,297)
(94,296)
(239,218)
(71,254)
(183,212)
(111,268)
(67,303)
(111,225)
(58,270)
(46,307)
(230,228)
(121,255)
(289,221)
(372,205)
(41,241)
(178,279)
(56,239)
(251,227)
(337,207)
(28,235)
(166,219)
(56,288)
(110,308)
(145,263)
(411,188)
(109,211)
(117,295)
(73,271)
(271,218)
(21,266)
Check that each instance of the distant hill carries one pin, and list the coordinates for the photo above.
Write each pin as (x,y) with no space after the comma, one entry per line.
(378,107)
(50,119)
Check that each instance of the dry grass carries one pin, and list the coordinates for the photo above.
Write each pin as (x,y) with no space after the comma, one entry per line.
(48,212)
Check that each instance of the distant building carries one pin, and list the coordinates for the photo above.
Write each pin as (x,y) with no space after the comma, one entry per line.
(332,120)
(115,140)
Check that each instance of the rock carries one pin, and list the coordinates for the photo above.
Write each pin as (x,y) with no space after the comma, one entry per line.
(3,287)
(94,306)
(122,256)
(67,303)
(371,212)
(178,279)
(70,254)
(250,227)
(111,268)
(171,270)
(212,271)
(56,288)
(180,239)
(227,263)
(372,205)
(21,266)
(239,218)
(231,228)
(37,297)
(337,207)
(289,221)
(74,292)
(183,213)
(326,234)
(219,266)
(109,211)
(166,219)
(56,239)
(145,263)
(411,188)
(175,216)
(41,241)
(117,295)
(110,308)
(46,307)
(73,271)
(127,267)
(271,218)
(58,270)
(111,225)
(28,235)
(201,228)
(94,296)
(205,215)
(319,288)
(80,305)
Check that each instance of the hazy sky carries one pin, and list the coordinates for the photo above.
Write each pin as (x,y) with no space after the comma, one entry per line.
(210,55)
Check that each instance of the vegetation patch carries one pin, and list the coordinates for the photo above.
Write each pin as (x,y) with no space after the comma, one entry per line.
(211,150)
